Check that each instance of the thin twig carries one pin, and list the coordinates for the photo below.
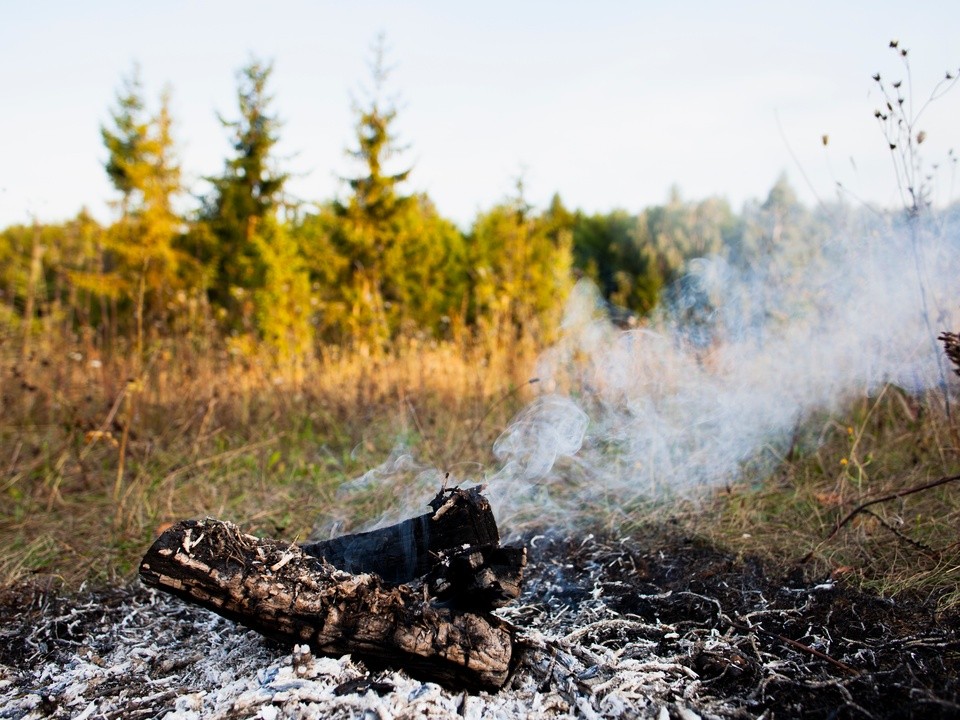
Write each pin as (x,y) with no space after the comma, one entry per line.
(906,538)
(502,399)
(796,645)
(860,508)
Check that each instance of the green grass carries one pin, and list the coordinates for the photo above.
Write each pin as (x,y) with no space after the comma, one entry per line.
(880,446)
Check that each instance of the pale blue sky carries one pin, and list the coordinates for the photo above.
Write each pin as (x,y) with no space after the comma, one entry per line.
(607,103)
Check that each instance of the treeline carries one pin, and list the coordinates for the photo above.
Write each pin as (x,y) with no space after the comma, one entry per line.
(266,271)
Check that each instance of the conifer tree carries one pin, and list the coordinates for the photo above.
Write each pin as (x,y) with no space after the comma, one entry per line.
(143,260)
(608,250)
(520,268)
(283,302)
(370,218)
(248,191)
(126,139)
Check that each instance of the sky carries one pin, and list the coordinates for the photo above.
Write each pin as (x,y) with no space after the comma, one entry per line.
(610,104)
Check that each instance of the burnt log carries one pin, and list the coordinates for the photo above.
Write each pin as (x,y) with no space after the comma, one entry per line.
(408,550)
(478,578)
(289,595)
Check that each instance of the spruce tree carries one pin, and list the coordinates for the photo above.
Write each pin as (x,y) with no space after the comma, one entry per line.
(370,218)
(142,165)
(126,138)
(382,262)
(248,191)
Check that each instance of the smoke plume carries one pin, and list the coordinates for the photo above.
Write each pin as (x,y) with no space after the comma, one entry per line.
(724,376)
(720,380)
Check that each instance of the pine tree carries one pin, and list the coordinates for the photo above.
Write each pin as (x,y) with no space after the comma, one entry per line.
(125,140)
(248,192)
(159,182)
(143,260)
(370,219)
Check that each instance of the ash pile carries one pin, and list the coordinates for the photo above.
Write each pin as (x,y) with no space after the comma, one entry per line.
(605,627)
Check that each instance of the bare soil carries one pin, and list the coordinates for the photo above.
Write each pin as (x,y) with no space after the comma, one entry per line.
(660,627)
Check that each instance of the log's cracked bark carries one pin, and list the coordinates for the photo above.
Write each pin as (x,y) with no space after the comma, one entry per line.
(287,594)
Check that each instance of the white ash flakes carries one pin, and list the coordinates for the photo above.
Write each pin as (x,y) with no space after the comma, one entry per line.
(152,655)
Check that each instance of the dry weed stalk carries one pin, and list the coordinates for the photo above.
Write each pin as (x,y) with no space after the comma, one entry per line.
(886,498)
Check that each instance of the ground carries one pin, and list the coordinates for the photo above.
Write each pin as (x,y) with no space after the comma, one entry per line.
(655,625)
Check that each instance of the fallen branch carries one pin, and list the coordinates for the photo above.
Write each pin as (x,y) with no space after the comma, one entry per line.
(860,508)
(795,645)
(922,547)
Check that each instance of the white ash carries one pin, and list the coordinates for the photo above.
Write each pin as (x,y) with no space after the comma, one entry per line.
(152,655)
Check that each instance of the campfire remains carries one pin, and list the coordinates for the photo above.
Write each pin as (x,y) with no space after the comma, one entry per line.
(415,595)
(651,625)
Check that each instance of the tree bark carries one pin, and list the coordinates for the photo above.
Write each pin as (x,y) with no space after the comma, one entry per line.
(285,593)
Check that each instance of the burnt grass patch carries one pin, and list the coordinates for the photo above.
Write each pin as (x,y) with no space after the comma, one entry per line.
(659,627)
(792,647)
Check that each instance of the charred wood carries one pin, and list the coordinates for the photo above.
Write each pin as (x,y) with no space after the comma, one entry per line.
(478,578)
(408,550)
(289,595)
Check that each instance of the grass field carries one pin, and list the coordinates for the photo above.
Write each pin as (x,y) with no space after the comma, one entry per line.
(98,454)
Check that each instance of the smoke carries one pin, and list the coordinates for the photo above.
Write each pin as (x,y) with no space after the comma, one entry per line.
(720,381)
(724,377)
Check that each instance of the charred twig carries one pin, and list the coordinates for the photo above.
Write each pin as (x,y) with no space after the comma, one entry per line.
(922,547)
(795,645)
(860,508)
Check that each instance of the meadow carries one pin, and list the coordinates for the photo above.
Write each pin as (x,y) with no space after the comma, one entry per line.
(101,451)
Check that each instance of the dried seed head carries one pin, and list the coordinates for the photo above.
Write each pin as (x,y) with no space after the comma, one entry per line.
(921,136)
(825,139)
(894,43)
(876,77)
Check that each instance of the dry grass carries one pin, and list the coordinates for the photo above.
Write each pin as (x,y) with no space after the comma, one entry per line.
(884,445)
(98,454)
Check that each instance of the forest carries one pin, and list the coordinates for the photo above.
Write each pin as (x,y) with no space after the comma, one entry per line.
(285,278)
